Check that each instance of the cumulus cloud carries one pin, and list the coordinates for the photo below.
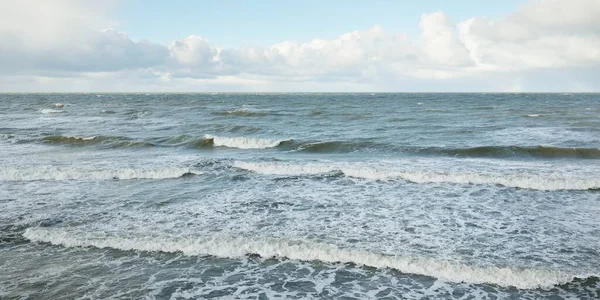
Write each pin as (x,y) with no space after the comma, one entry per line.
(540,34)
(68,39)
(66,35)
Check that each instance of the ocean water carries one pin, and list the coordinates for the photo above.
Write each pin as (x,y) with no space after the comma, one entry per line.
(299,196)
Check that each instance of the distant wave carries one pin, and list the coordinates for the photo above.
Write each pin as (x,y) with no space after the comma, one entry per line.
(511,151)
(236,247)
(423,177)
(111,141)
(243,112)
(50,173)
(51,111)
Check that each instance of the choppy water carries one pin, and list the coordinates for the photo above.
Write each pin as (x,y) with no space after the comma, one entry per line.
(270,196)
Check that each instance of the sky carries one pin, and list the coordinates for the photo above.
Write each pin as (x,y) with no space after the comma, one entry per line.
(300,46)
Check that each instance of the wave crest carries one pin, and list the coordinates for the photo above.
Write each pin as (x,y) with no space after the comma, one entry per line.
(245,142)
(236,247)
(51,111)
(423,177)
(50,174)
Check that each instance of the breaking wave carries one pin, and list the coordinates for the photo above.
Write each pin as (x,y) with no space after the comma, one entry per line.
(245,142)
(236,247)
(422,177)
(51,173)
(207,141)
(51,111)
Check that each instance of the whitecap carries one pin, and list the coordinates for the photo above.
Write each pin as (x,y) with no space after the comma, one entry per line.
(302,250)
(52,173)
(51,111)
(524,181)
(245,142)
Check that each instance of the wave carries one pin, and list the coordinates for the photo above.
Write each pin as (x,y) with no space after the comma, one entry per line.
(242,142)
(245,142)
(51,173)
(111,141)
(207,141)
(514,151)
(237,247)
(424,177)
(243,112)
(51,111)
(337,146)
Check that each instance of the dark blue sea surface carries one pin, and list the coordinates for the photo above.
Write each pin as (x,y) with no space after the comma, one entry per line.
(296,196)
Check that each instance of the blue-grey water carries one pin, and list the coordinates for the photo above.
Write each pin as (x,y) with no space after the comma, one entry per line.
(295,196)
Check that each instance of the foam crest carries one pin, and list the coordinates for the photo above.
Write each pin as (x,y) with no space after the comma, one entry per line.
(236,247)
(50,173)
(51,111)
(524,181)
(245,142)
(270,168)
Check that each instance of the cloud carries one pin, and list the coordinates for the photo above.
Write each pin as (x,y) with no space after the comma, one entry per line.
(44,42)
(540,34)
(63,35)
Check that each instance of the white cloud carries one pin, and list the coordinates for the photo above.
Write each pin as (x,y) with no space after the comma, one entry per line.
(441,41)
(540,34)
(52,42)
(193,51)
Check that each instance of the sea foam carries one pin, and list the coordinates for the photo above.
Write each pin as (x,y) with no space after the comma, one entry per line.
(236,247)
(244,142)
(51,173)
(524,181)
(51,111)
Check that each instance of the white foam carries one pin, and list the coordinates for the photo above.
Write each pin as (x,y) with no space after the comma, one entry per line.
(51,173)
(59,105)
(533,115)
(245,142)
(51,111)
(525,181)
(235,247)
(271,168)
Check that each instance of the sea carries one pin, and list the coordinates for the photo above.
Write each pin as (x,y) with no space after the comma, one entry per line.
(300,196)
